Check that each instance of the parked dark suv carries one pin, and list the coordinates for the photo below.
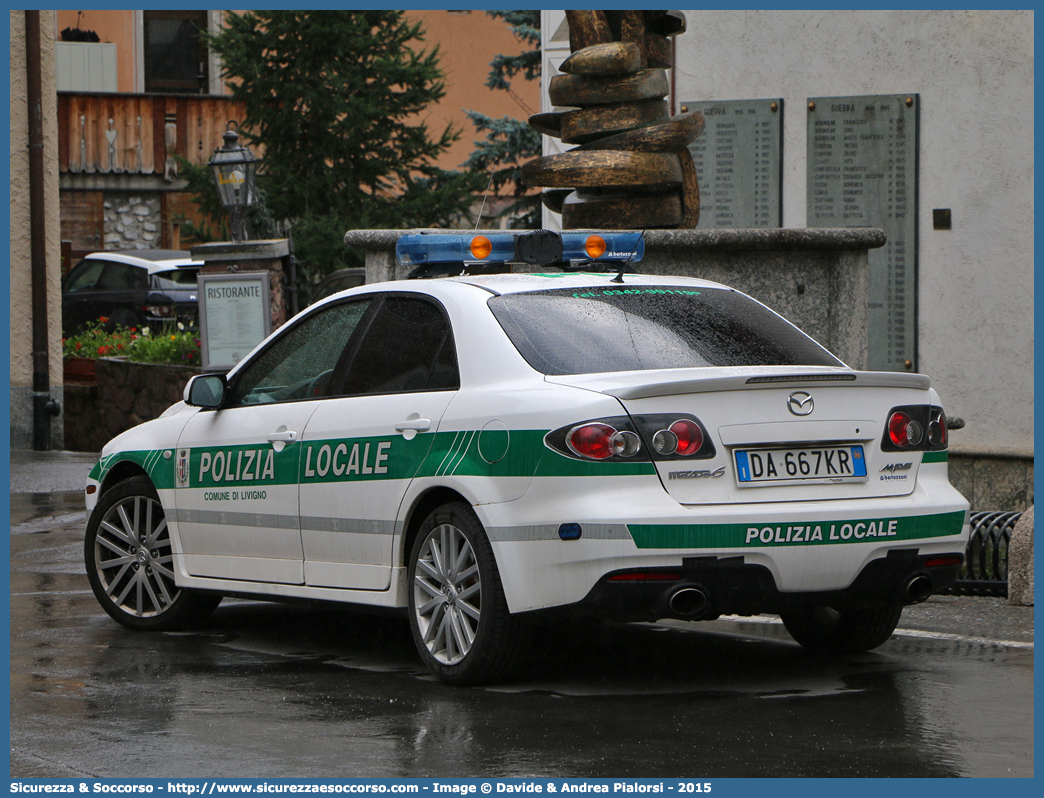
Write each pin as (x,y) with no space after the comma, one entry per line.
(137,288)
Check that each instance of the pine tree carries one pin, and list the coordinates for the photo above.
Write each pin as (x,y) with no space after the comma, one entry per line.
(332,101)
(511,142)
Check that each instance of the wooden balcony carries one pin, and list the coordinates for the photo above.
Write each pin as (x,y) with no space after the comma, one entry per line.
(139,134)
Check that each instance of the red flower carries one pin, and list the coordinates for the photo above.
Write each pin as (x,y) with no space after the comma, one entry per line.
(79,345)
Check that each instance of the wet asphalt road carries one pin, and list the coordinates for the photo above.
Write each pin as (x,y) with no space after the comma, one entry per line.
(277,691)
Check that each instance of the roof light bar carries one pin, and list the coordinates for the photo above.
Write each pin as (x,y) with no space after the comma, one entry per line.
(541,247)
(603,247)
(423,248)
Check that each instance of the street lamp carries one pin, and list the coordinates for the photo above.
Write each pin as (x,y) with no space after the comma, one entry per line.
(235,169)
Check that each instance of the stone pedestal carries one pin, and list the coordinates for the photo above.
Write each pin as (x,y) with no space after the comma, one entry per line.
(270,256)
(1020,562)
(817,278)
(992,479)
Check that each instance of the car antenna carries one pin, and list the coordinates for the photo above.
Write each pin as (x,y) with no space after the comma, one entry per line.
(482,207)
(623,264)
(478,221)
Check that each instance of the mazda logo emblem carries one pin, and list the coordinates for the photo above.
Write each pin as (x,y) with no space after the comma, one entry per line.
(800,403)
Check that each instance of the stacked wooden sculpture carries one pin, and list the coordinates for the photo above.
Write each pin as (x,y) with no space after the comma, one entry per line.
(632,168)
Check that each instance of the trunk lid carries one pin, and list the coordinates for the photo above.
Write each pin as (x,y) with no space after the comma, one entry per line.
(783,456)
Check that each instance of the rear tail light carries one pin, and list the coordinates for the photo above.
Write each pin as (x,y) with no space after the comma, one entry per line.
(904,431)
(665,442)
(684,437)
(660,436)
(915,428)
(625,444)
(937,436)
(690,436)
(675,437)
(598,441)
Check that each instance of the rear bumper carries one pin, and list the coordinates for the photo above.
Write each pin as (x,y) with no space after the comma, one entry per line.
(706,587)
(189,317)
(748,558)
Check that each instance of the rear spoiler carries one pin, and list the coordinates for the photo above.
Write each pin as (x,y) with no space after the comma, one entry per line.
(647,384)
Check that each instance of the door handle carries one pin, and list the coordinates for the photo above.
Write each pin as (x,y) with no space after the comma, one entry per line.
(281,437)
(415,424)
(412,425)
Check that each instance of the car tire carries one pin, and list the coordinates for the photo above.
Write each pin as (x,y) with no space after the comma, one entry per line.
(458,612)
(134,583)
(825,630)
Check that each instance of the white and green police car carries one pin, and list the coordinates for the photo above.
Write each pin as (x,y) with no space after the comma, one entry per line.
(491,451)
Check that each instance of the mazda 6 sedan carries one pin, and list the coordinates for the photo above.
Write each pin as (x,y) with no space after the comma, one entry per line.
(492,452)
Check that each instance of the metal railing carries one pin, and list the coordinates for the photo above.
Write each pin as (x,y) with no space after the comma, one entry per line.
(985,570)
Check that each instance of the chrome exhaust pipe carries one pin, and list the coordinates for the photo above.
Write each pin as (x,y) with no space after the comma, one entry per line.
(918,588)
(688,602)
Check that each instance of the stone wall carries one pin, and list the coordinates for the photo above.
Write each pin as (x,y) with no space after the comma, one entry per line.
(124,395)
(817,279)
(991,480)
(132,221)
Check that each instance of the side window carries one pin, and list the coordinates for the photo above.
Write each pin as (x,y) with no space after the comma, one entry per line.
(175,278)
(175,53)
(123,277)
(408,347)
(300,363)
(84,276)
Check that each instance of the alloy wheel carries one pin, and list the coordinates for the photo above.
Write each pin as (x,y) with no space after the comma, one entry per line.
(133,558)
(447,594)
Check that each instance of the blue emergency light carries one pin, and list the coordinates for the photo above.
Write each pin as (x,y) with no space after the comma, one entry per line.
(539,247)
(615,248)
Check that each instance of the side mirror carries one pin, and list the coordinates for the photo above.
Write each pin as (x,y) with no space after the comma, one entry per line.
(206,391)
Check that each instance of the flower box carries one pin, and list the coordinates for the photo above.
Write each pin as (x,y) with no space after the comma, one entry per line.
(78,369)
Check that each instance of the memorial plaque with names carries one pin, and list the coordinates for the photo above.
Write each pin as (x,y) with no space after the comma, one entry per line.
(862,172)
(739,163)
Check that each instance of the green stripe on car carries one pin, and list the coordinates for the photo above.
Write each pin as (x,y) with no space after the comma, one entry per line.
(795,532)
(460,453)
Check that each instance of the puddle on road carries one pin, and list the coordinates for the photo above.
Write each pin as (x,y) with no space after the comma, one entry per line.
(45,507)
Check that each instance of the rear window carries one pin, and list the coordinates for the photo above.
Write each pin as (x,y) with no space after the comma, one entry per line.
(175,278)
(595,330)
